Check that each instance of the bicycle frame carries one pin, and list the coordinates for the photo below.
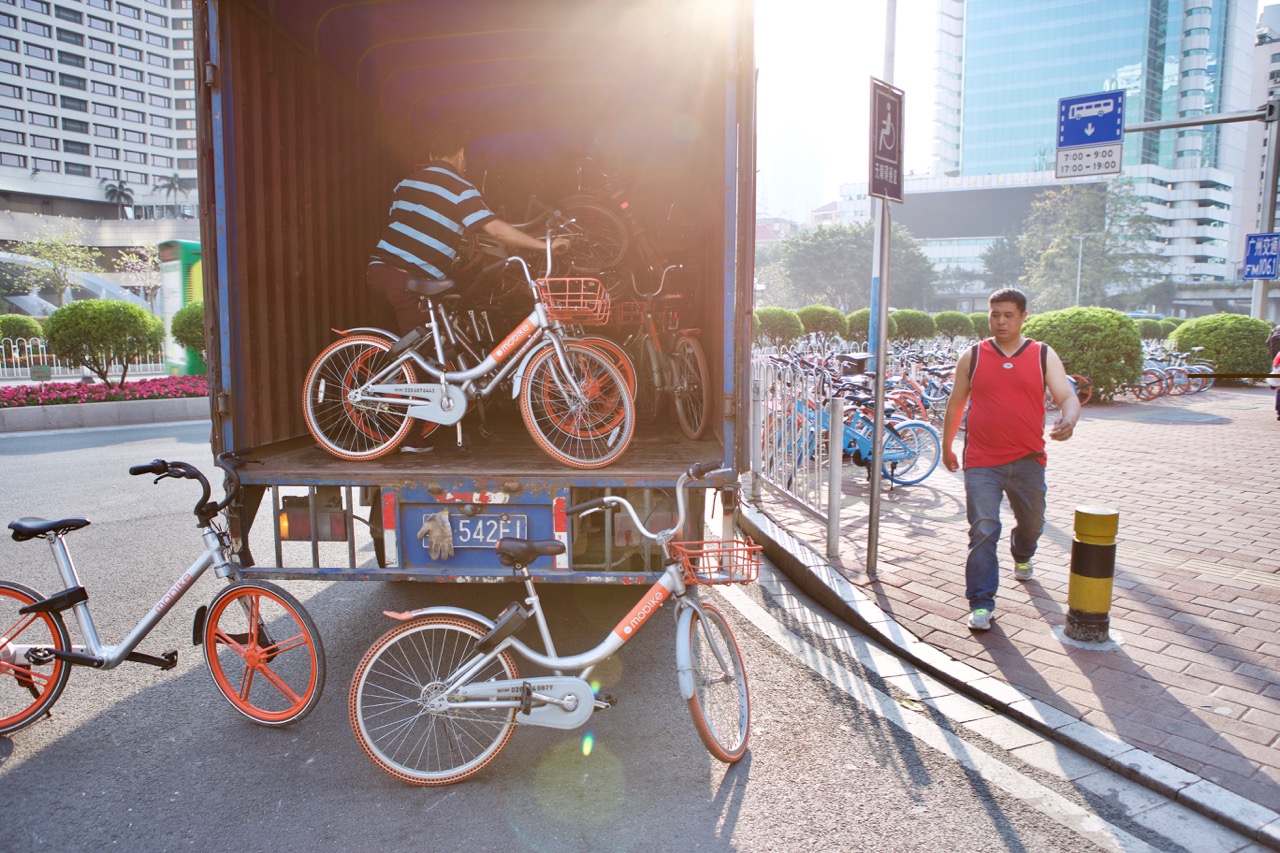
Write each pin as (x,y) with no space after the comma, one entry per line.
(108,657)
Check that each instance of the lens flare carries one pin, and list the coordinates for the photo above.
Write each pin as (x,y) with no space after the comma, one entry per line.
(588,741)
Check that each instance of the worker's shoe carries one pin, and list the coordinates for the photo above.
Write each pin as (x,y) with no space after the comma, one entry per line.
(980,619)
(1022,571)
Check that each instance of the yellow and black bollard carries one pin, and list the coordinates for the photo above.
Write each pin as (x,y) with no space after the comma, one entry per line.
(1093,568)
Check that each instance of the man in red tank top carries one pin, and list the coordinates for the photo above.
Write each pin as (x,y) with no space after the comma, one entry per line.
(1002,380)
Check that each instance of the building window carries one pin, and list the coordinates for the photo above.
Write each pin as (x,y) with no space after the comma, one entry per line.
(106,153)
(106,131)
(13,137)
(161,162)
(99,4)
(36,28)
(104,110)
(157,80)
(185,45)
(70,37)
(157,60)
(46,165)
(131,95)
(136,177)
(74,125)
(10,21)
(1198,10)
(161,121)
(133,115)
(135,136)
(187,163)
(158,41)
(100,24)
(71,59)
(101,46)
(40,74)
(130,73)
(129,11)
(159,101)
(80,105)
(157,20)
(187,144)
(8,91)
(99,88)
(35,96)
(48,143)
(13,114)
(68,14)
(187,64)
(1196,51)
(8,44)
(7,159)
(187,85)
(127,32)
(38,51)
(130,53)
(80,170)
(185,124)
(182,24)
(135,157)
(1197,31)
(108,173)
(72,147)
(101,67)
(161,141)
(7,67)
(36,6)
(71,81)
(185,104)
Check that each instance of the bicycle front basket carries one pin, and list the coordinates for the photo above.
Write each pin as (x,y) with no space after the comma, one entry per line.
(719,561)
(575,301)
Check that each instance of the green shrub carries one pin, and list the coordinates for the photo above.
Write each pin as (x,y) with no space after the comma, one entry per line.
(860,325)
(779,326)
(1235,343)
(1166,328)
(1095,342)
(953,324)
(1151,330)
(913,325)
(981,321)
(823,320)
(187,327)
(95,333)
(1176,321)
(17,326)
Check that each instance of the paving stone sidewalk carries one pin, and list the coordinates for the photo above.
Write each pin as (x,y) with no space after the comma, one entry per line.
(1195,676)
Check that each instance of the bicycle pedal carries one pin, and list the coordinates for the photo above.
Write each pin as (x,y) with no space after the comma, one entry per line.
(167,660)
(605,701)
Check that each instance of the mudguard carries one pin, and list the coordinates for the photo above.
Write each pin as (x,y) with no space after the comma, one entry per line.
(684,655)
(406,615)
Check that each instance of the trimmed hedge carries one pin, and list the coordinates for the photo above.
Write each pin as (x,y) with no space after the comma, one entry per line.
(1235,343)
(1151,330)
(187,327)
(914,325)
(981,321)
(953,324)
(17,326)
(1166,328)
(823,320)
(860,325)
(779,326)
(94,333)
(1097,342)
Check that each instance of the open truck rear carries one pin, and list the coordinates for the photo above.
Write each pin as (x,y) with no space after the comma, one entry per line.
(310,111)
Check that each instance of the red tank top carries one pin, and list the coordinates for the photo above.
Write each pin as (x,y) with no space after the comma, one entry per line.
(1006,405)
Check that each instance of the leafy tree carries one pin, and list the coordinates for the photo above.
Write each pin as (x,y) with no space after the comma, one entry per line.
(860,325)
(779,326)
(120,194)
(953,324)
(1176,321)
(171,186)
(19,327)
(95,333)
(1115,253)
(823,320)
(1003,265)
(913,325)
(58,255)
(1235,343)
(142,263)
(832,266)
(1100,343)
(187,327)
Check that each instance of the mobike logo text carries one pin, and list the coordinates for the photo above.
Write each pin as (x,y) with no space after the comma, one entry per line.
(513,340)
(173,594)
(642,611)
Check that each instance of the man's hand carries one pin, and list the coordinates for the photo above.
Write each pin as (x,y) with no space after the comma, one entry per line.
(559,245)
(949,459)
(1063,428)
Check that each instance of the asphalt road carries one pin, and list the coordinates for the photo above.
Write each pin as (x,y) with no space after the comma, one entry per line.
(152,760)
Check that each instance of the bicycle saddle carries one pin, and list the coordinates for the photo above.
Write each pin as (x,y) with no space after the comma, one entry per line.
(429,287)
(522,552)
(29,528)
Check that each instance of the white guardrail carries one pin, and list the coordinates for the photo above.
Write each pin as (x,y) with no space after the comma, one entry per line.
(18,355)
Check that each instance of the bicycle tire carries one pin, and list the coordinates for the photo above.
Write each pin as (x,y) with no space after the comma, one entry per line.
(918,445)
(587,431)
(616,355)
(649,393)
(601,238)
(265,655)
(1084,387)
(691,386)
(1179,383)
(721,702)
(39,685)
(350,431)
(391,684)
(1150,385)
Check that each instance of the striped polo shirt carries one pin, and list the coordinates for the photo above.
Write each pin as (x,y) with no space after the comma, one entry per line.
(430,211)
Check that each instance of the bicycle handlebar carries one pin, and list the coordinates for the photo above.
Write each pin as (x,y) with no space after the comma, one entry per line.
(205,509)
(696,471)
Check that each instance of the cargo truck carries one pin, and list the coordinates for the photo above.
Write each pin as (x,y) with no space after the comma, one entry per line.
(310,111)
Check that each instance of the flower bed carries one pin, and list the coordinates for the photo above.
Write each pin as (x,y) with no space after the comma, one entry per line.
(60,393)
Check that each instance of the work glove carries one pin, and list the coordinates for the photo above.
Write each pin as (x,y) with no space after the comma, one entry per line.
(439,535)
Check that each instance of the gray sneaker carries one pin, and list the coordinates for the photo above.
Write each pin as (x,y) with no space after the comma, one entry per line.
(1022,571)
(980,619)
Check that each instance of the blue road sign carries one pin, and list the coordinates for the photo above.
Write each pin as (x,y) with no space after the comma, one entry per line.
(1261,256)
(1096,119)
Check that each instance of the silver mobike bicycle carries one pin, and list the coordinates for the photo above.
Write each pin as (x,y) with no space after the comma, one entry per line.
(262,648)
(362,393)
(436,699)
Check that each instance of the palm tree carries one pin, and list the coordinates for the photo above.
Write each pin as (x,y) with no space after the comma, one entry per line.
(170,185)
(120,194)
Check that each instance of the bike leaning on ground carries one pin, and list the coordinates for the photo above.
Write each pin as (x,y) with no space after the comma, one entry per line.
(260,644)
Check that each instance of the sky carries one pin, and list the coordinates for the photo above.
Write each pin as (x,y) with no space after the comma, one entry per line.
(815,60)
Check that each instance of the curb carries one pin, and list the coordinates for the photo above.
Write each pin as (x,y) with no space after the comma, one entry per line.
(117,413)
(815,575)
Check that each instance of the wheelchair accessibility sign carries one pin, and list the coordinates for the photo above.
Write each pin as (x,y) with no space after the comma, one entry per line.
(886,141)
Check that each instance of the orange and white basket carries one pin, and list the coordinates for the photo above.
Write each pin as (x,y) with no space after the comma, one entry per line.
(719,561)
(575,301)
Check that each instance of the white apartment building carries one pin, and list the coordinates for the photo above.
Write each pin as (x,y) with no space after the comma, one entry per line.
(97,96)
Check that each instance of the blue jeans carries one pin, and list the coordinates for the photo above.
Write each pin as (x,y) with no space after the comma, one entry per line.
(985,488)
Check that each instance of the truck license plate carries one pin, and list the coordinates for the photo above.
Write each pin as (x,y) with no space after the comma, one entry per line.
(484,531)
